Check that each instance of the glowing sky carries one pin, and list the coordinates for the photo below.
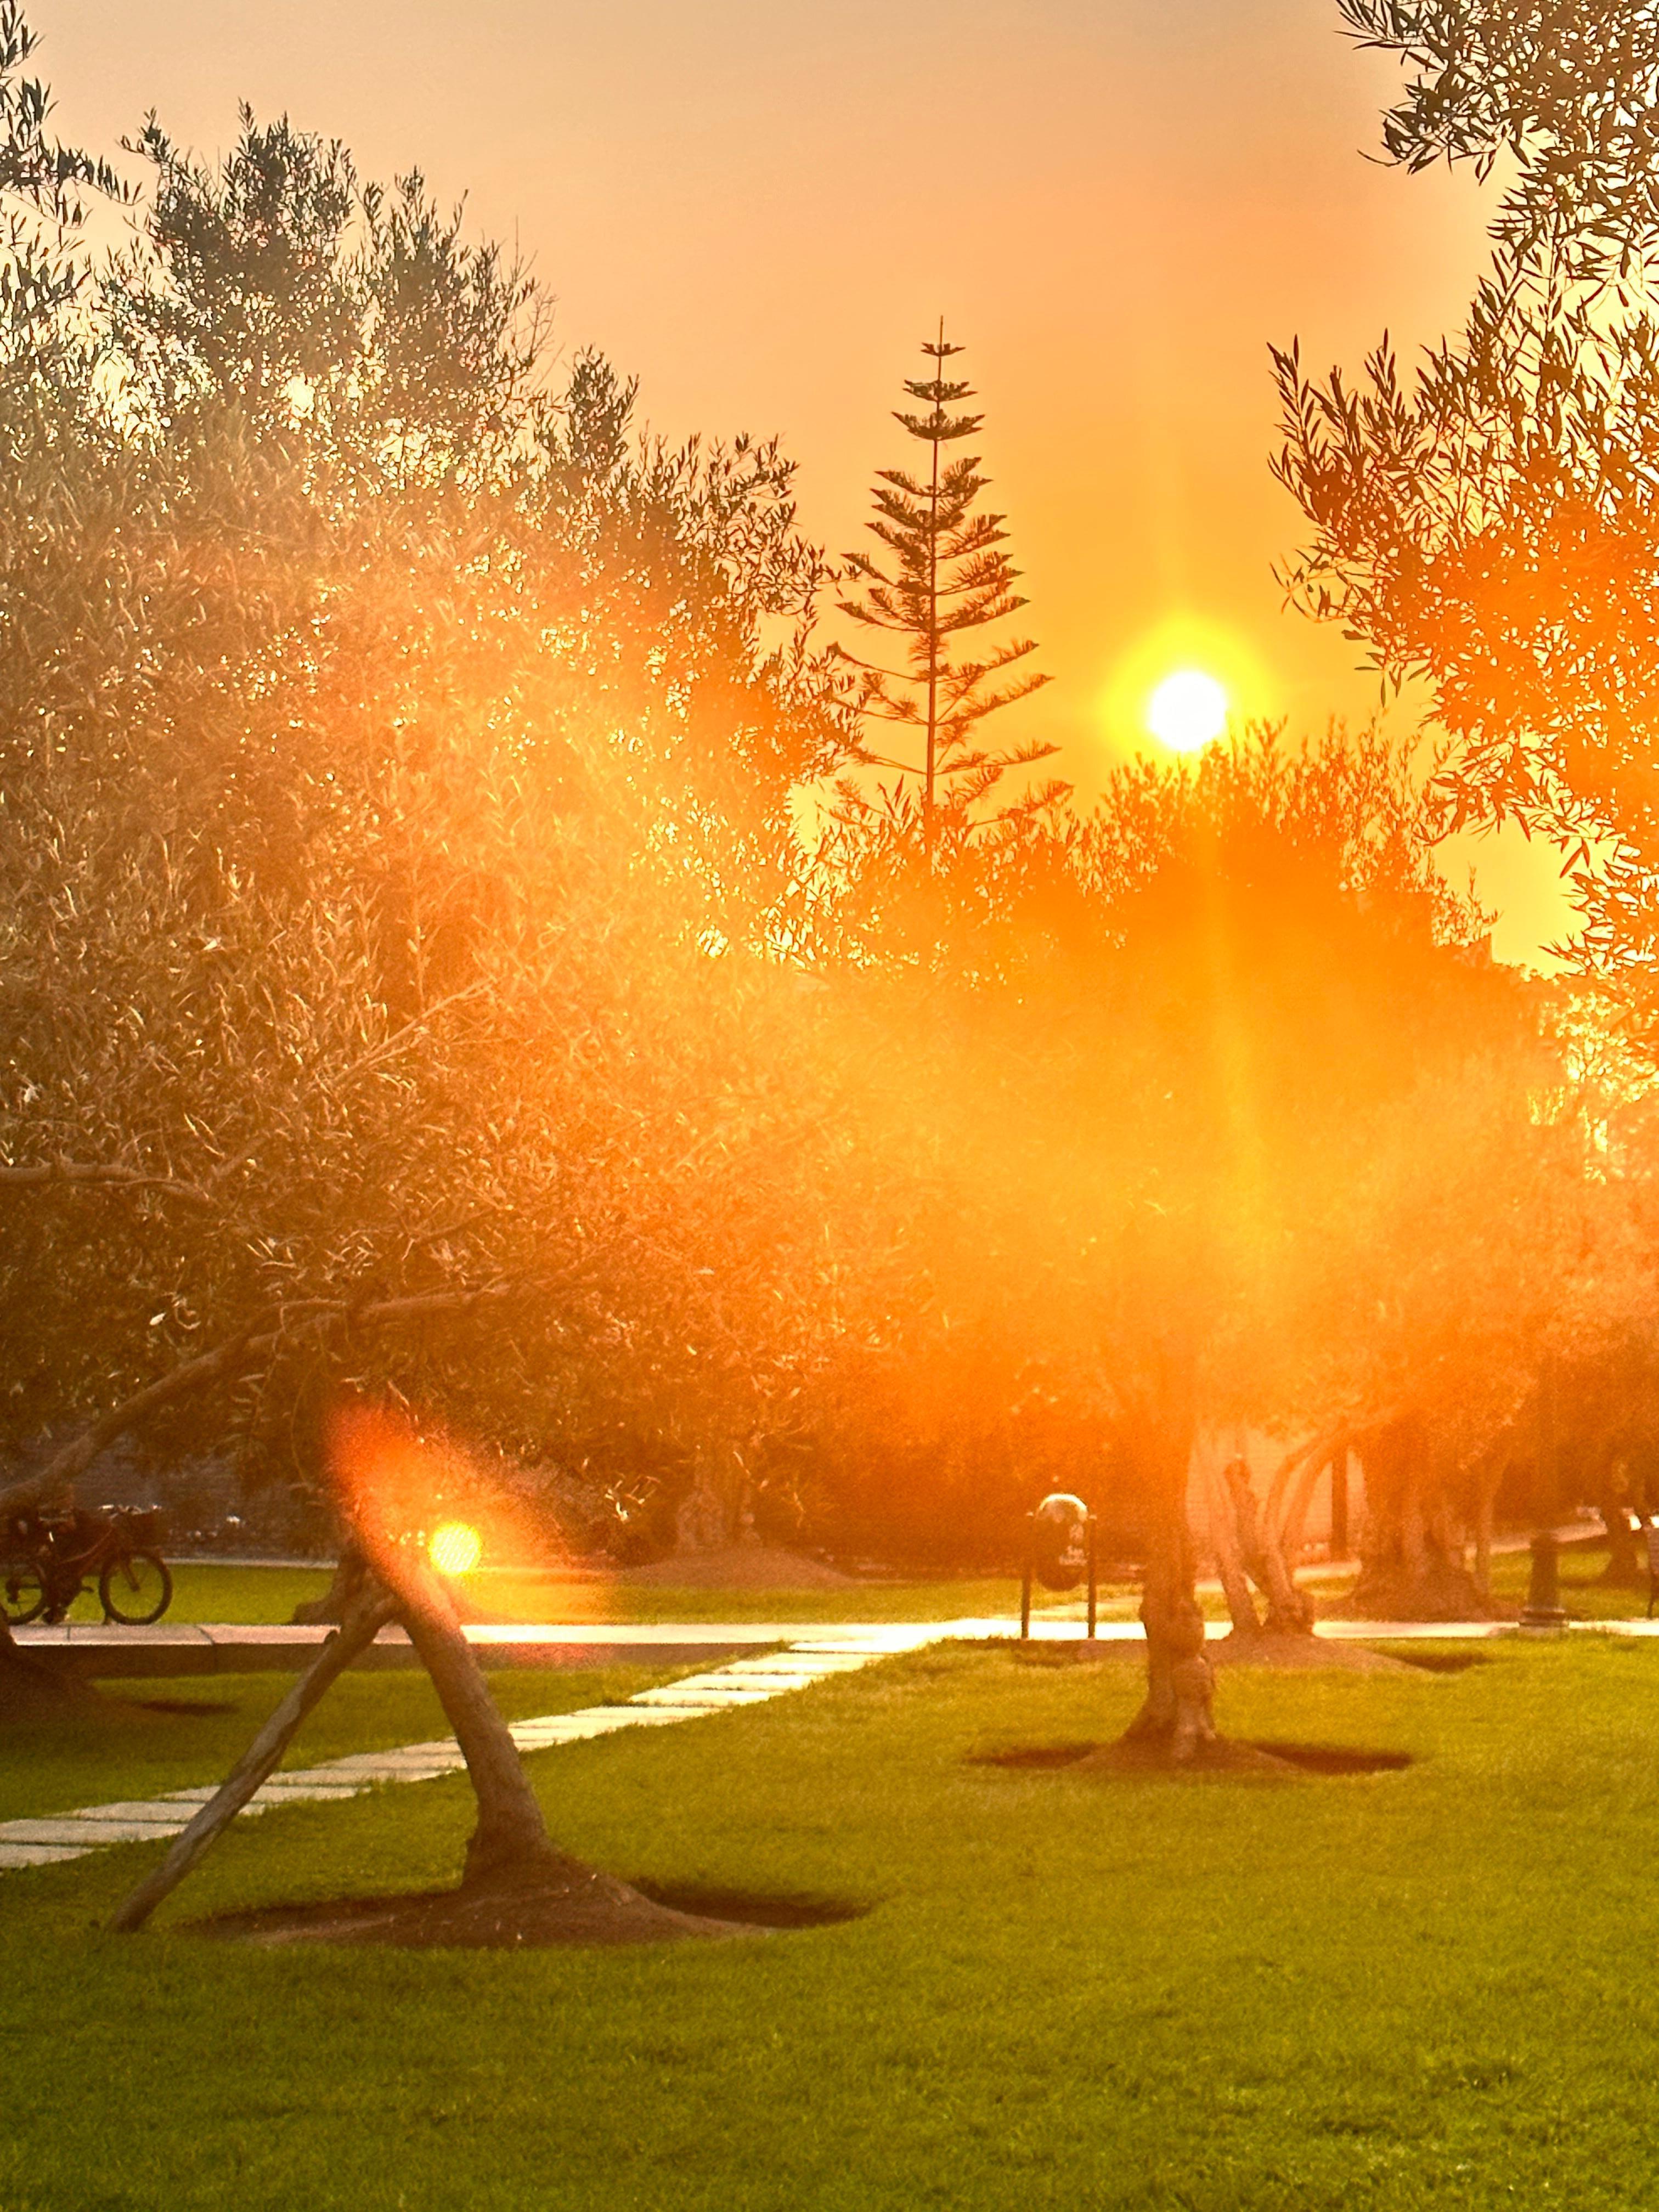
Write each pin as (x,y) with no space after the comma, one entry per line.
(760,206)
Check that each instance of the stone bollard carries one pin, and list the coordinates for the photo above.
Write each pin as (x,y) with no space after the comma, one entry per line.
(1543,1614)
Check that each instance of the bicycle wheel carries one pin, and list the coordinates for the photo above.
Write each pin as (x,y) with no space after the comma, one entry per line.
(135,1590)
(22,1591)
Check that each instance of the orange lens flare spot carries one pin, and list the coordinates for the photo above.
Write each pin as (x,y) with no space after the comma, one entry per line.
(455,1548)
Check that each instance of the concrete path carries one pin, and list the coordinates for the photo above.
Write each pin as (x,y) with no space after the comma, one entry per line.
(108,1651)
(104,1649)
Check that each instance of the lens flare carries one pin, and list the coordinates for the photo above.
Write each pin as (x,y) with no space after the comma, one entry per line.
(1187,710)
(455,1548)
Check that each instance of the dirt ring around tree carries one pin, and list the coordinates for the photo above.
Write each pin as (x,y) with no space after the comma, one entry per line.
(587,1908)
(1227,1755)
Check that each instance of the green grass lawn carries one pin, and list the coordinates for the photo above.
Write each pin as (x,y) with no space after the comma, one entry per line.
(260,1594)
(240,1595)
(1400,1990)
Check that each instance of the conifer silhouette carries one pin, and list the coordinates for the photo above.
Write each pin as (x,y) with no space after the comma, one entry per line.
(944,575)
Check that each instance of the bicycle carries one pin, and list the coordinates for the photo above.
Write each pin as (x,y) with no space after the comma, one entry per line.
(49,1560)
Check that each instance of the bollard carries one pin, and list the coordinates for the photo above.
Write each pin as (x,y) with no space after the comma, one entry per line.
(1543,1611)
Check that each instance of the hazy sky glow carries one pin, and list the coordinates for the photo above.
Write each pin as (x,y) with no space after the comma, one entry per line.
(760,206)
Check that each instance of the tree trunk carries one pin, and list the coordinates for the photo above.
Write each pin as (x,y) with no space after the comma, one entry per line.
(1483,1527)
(713,1516)
(510,1845)
(1175,1721)
(331,1607)
(1412,1560)
(1230,1566)
(28,1688)
(1624,1570)
(1290,1611)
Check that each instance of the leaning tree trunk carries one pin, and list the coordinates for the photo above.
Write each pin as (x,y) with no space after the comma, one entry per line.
(1225,1542)
(1412,1563)
(1254,1546)
(510,1845)
(367,1611)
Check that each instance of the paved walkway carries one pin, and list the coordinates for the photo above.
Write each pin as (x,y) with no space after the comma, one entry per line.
(106,1649)
(806,1656)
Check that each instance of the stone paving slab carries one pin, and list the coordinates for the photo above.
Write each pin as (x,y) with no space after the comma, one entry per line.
(276,1792)
(151,1810)
(725,1693)
(77,1828)
(34,1854)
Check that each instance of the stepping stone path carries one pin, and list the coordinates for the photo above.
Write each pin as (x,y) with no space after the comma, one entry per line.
(743,1683)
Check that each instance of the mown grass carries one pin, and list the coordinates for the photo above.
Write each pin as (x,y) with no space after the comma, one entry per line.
(270,1594)
(242,1596)
(1432,1988)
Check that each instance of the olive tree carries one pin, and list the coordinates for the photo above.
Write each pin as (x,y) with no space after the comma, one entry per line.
(397,758)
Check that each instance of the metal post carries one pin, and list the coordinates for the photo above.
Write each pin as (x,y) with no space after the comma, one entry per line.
(1543,1609)
(1339,1503)
(1092,1585)
(1025,1581)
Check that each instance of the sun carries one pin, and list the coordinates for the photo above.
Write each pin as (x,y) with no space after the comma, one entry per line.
(1186,710)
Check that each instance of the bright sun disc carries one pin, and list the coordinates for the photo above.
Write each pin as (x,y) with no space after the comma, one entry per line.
(1186,710)
(455,1548)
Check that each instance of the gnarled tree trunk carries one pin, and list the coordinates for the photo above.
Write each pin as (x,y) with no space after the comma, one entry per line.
(1624,1570)
(714,1513)
(1175,1723)
(1412,1563)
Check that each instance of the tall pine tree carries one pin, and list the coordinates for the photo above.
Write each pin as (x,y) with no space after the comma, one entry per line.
(942,575)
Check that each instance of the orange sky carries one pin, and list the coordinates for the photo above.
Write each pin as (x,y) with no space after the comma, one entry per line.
(760,206)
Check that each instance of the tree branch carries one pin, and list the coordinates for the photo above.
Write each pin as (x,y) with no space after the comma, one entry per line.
(234,1357)
(98,1172)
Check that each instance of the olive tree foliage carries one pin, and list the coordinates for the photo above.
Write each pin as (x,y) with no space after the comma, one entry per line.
(46,186)
(1188,1144)
(1487,524)
(395,761)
